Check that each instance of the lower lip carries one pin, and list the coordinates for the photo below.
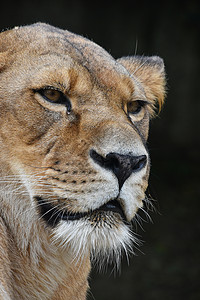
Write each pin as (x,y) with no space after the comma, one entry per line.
(52,216)
(112,206)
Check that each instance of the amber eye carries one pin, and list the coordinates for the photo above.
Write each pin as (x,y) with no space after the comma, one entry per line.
(54,96)
(134,107)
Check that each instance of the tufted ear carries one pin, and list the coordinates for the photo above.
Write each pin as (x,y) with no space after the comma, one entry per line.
(148,70)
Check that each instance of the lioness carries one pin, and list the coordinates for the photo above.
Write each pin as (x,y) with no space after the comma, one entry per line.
(74,163)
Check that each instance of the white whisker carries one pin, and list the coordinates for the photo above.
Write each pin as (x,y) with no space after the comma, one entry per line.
(136,47)
(147,215)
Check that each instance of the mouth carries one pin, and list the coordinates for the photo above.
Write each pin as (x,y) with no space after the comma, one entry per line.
(53,215)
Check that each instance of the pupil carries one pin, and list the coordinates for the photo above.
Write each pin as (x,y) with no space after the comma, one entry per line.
(133,107)
(53,95)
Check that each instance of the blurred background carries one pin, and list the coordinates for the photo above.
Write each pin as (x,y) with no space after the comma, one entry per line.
(167,265)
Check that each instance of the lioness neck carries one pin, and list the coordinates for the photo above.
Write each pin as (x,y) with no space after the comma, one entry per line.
(46,273)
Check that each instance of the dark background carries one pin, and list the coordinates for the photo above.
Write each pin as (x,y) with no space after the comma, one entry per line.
(169,266)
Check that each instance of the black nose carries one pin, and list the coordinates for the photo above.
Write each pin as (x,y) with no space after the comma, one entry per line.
(121,165)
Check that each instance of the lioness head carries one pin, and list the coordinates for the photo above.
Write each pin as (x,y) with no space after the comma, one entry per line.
(73,130)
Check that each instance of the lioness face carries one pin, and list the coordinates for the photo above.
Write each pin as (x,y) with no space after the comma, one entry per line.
(73,128)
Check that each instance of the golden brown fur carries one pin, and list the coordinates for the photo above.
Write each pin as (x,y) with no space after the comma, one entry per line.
(57,160)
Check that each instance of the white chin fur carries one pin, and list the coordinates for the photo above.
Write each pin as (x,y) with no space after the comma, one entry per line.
(104,243)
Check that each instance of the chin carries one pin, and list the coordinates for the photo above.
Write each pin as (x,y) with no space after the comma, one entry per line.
(104,236)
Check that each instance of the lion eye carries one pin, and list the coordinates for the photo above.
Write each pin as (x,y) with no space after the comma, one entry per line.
(55,96)
(134,107)
(52,95)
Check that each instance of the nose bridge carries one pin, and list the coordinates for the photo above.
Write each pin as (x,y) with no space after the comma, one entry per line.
(102,106)
(97,114)
(118,136)
(110,129)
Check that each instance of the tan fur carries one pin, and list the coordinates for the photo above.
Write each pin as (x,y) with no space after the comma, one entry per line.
(45,153)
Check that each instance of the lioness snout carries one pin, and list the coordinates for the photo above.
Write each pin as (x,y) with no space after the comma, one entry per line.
(121,165)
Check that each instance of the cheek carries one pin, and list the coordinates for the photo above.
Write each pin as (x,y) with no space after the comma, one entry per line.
(143,127)
(33,121)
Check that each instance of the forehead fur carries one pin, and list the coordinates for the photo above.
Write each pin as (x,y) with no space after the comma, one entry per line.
(142,75)
(43,37)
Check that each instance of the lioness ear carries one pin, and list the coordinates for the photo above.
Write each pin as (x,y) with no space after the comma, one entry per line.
(149,70)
